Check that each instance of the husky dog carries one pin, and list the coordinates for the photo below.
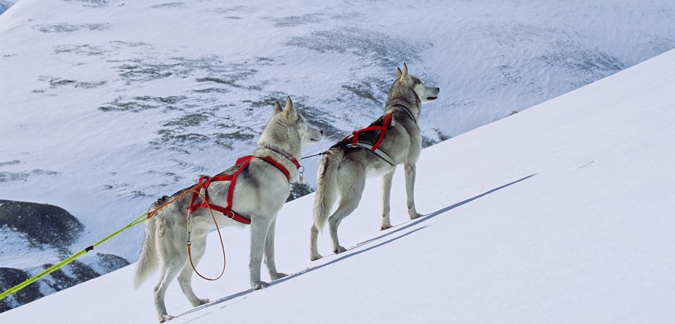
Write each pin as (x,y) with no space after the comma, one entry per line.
(260,192)
(345,166)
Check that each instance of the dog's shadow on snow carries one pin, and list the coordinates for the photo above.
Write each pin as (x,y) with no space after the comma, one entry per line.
(346,255)
(431,215)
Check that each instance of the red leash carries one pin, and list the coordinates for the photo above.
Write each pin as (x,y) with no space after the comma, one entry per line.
(222,246)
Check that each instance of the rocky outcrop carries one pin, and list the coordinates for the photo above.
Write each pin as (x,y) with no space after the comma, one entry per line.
(50,229)
(44,226)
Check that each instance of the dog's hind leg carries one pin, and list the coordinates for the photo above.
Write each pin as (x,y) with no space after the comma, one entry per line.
(326,194)
(198,247)
(269,252)
(386,197)
(313,250)
(410,190)
(170,270)
(350,196)
(259,228)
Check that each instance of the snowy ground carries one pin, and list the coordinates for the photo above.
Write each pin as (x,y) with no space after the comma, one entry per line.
(560,214)
(107,105)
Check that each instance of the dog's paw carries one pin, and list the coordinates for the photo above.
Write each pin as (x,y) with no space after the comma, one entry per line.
(259,285)
(199,302)
(278,275)
(339,249)
(415,216)
(165,318)
(385,227)
(315,257)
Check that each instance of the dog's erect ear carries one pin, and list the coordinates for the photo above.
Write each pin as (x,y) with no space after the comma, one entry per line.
(277,107)
(289,110)
(398,73)
(405,71)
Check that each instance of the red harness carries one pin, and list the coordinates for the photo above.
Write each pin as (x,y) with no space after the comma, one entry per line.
(205,181)
(382,129)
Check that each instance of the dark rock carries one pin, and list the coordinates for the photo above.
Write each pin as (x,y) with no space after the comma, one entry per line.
(59,279)
(48,227)
(111,262)
(44,225)
(9,278)
(299,189)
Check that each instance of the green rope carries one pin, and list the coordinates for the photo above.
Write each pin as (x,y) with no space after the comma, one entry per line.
(72,258)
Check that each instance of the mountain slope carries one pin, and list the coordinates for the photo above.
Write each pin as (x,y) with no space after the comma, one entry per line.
(559,214)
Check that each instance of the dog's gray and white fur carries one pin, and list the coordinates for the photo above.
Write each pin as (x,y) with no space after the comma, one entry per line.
(343,170)
(260,192)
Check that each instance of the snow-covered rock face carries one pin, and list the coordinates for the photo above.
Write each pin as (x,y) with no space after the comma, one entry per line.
(4,5)
(44,226)
(35,236)
(109,104)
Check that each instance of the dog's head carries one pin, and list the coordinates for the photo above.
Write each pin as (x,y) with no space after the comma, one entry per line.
(294,120)
(424,93)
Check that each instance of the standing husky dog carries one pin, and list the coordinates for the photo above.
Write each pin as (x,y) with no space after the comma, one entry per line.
(345,166)
(260,192)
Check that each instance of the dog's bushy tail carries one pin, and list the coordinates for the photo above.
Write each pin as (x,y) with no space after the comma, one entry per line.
(327,186)
(147,262)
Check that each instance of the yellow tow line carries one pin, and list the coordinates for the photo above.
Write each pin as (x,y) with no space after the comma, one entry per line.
(72,258)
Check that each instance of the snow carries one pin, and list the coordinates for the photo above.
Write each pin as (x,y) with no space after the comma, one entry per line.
(14,251)
(561,213)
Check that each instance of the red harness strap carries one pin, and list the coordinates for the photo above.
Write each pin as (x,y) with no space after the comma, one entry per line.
(205,181)
(382,129)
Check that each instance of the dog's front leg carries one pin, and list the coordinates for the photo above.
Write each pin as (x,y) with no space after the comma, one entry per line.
(386,198)
(269,252)
(410,170)
(259,226)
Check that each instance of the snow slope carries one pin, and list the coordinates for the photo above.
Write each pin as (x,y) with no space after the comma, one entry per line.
(562,213)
